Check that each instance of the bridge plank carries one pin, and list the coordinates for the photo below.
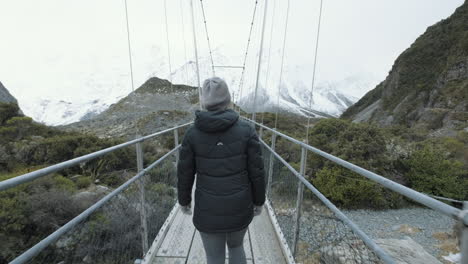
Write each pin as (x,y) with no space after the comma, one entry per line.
(265,245)
(179,237)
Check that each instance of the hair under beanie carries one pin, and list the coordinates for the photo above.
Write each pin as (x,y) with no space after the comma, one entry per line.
(215,94)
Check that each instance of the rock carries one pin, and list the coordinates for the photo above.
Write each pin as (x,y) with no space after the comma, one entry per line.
(347,252)
(406,229)
(406,251)
(285,212)
(101,190)
(403,251)
(64,242)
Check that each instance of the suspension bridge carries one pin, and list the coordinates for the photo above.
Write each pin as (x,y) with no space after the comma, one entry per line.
(149,227)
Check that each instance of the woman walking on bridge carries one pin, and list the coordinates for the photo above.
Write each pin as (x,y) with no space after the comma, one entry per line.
(224,152)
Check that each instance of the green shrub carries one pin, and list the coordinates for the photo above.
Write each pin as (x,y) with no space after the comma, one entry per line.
(7,111)
(430,171)
(350,190)
(83,182)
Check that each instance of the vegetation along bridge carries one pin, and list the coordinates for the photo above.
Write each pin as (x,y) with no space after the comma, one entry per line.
(150,227)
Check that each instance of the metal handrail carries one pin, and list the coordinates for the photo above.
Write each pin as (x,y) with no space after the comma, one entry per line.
(10,183)
(36,249)
(367,240)
(396,187)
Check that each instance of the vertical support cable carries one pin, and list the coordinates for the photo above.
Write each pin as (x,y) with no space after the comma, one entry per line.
(139,152)
(241,81)
(141,185)
(300,195)
(196,52)
(183,38)
(168,46)
(282,65)
(129,46)
(315,68)
(271,163)
(260,60)
(269,59)
(176,143)
(207,37)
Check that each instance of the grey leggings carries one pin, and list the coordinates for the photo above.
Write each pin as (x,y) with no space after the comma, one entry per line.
(215,247)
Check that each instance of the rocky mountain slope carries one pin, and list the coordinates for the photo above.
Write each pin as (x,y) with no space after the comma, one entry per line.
(156,105)
(427,86)
(5,96)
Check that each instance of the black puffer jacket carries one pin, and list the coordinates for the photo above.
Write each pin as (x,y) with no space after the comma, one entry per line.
(224,152)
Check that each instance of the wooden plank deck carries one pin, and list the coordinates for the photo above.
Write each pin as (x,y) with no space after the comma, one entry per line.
(181,243)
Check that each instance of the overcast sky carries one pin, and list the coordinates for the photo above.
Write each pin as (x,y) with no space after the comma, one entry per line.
(77,50)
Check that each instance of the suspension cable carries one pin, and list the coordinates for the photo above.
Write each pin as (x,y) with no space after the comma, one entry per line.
(168,46)
(241,82)
(269,52)
(183,37)
(137,132)
(207,37)
(282,65)
(194,33)
(315,68)
(259,66)
(129,47)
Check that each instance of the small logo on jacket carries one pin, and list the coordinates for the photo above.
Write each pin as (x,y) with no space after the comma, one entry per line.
(219,144)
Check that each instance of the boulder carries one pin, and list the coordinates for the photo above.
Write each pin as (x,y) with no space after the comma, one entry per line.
(406,251)
(403,251)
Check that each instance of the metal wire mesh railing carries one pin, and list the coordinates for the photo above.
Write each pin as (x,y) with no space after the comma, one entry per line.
(317,231)
(325,238)
(312,230)
(112,234)
(122,218)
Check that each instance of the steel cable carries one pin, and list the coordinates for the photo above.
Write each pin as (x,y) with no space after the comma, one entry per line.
(315,68)
(241,82)
(282,65)
(207,37)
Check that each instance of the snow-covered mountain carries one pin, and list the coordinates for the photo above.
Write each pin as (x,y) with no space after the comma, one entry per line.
(329,99)
(60,112)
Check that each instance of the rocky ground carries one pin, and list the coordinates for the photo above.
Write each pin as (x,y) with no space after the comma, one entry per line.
(429,228)
(319,229)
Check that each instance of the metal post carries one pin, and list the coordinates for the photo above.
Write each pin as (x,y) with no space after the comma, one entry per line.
(196,51)
(176,143)
(259,60)
(464,234)
(141,185)
(270,167)
(300,192)
(260,134)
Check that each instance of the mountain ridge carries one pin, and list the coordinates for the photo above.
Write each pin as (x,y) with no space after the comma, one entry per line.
(154,106)
(427,86)
(5,95)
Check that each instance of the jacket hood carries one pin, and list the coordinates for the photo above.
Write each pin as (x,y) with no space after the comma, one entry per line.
(215,121)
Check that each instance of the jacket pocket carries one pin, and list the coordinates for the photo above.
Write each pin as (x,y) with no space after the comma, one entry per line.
(233,204)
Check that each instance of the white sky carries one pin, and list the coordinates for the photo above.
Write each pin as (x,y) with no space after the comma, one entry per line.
(77,50)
